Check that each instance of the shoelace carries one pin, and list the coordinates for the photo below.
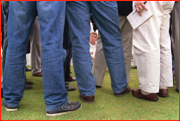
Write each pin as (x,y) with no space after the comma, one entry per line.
(66,104)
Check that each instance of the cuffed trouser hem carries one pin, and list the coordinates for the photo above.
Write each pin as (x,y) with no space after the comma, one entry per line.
(49,107)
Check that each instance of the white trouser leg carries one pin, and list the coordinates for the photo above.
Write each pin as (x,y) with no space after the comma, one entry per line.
(151,51)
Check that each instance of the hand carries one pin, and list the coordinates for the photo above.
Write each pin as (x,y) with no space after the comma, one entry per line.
(139,5)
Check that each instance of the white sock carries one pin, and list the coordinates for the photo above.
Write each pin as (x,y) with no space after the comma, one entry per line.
(163,88)
(144,93)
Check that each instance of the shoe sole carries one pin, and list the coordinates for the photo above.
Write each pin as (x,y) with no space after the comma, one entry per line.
(147,99)
(71,90)
(163,96)
(11,110)
(122,94)
(58,114)
(36,76)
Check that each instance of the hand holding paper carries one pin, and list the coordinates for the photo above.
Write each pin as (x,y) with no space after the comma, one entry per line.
(136,20)
(140,5)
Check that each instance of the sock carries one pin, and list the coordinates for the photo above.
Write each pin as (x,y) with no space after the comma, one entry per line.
(163,88)
(144,93)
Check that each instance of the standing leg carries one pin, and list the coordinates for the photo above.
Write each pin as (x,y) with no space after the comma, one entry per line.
(175,36)
(106,16)
(99,66)
(36,49)
(53,55)
(14,71)
(126,39)
(149,49)
(51,18)
(78,13)
(166,77)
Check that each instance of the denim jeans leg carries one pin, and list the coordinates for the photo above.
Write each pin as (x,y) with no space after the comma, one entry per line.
(78,13)
(106,17)
(51,18)
(18,30)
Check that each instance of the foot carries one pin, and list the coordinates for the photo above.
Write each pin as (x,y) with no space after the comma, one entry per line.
(151,97)
(27,87)
(69,107)
(70,79)
(29,82)
(39,74)
(70,88)
(135,67)
(126,91)
(87,99)
(27,69)
(163,93)
(9,108)
(98,86)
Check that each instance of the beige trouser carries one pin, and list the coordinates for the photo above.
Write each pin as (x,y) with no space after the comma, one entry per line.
(99,66)
(175,37)
(36,48)
(152,48)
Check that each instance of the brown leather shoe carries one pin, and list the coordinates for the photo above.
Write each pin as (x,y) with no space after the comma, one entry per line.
(126,91)
(137,93)
(39,74)
(163,93)
(87,99)
(70,79)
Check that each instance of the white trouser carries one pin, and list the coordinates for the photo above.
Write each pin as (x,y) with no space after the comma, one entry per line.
(36,48)
(152,48)
(99,66)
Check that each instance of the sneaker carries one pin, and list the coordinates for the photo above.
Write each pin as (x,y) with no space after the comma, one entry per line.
(9,108)
(69,107)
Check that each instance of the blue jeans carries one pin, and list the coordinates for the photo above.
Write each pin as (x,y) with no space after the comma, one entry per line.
(51,18)
(106,17)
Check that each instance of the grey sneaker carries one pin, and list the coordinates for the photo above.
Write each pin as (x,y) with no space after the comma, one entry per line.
(9,108)
(69,107)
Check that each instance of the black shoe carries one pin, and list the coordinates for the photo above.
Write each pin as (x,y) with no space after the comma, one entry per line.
(98,86)
(177,90)
(66,83)
(70,88)
(69,107)
(28,87)
(29,82)
(135,67)
(28,69)
(9,108)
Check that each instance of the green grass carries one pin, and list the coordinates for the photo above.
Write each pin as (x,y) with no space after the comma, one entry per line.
(105,107)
